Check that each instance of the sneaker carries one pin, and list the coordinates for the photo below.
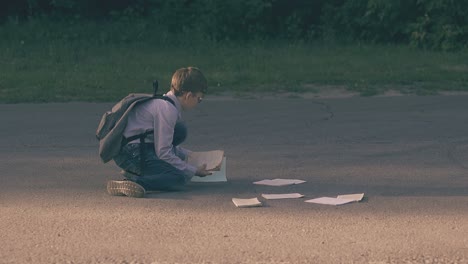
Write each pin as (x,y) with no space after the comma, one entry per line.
(125,188)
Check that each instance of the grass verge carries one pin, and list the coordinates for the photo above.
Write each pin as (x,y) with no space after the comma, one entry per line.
(38,66)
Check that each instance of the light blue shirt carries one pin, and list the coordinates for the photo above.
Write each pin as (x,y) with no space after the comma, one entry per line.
(161,116)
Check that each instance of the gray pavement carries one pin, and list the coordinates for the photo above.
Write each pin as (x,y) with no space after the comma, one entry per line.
(408,154)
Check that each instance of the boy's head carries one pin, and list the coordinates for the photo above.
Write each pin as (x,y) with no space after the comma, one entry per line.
(189,85)
(188,79)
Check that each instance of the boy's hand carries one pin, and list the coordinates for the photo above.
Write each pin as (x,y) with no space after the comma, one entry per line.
(202,172)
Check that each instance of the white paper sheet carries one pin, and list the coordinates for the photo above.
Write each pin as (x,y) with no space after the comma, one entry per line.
(217,176)
(355,197)
(339,200)
(279,182)
(329,200)
(212,159)
(282,196)
(252,202)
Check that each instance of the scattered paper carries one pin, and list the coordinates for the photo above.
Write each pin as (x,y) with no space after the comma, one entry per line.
(339,200)
(355,197)
(217,176)
(252,202)
(330,201)
(212,159)
(279,182)
(282,196)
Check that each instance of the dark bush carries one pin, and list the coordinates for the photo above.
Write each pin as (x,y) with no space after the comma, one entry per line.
(432,24)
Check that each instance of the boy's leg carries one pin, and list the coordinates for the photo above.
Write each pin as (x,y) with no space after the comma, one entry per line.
(180,134)
(159,175)
(128,160)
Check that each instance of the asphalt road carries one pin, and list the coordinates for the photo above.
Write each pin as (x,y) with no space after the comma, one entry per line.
(408,154)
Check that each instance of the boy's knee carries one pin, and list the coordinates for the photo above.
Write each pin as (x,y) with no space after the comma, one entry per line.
(180,134)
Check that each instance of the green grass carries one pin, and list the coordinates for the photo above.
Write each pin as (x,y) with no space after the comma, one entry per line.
(43,62)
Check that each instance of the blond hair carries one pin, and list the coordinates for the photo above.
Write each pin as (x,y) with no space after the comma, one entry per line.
(189,79)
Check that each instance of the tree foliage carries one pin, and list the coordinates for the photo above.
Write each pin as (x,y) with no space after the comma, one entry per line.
(433,24)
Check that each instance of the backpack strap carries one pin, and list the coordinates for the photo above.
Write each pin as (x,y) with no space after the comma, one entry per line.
(149,131)
(160,96)
(165,98)
(139,136)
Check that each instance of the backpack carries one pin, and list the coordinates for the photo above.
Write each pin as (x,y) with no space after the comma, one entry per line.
(113,123)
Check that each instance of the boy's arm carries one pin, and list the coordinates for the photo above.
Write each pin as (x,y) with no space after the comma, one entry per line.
(181,152)
(163,126)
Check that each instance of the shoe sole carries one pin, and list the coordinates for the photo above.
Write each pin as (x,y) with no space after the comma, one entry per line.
(125,188)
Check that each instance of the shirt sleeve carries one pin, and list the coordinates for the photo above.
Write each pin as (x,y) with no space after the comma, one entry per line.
(181,152)
(164,123)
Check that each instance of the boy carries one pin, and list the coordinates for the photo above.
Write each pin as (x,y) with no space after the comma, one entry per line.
(163,166)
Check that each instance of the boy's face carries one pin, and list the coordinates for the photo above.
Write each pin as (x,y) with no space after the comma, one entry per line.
(192,99)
